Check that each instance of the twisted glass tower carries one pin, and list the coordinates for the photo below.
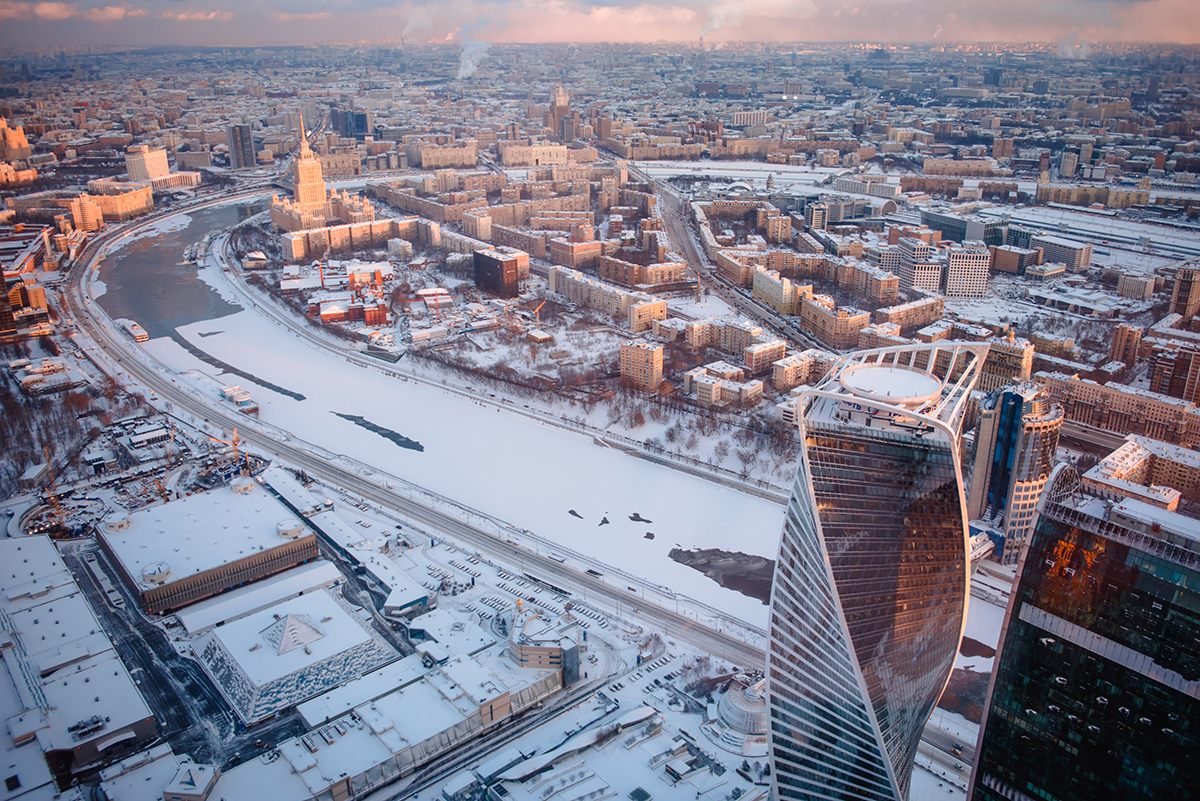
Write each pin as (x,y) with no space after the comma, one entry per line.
(871,583)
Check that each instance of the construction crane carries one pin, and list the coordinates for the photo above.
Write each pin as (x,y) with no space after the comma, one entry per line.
(234,442)
(162,491)
(537,311)
(511,323)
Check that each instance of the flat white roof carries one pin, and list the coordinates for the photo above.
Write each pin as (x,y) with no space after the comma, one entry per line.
(403,589)
(1137,511)
(376,684)
(455,629)
(63,669)
(259,595)
(282,639)
(894,384)
(26,762)
(59,632)
(197,533)
(141,776)
(100,686)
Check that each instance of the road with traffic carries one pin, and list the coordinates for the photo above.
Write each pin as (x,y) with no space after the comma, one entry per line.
(673,207)
(128,363)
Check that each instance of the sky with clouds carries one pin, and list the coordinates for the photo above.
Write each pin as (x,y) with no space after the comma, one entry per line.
(107,23)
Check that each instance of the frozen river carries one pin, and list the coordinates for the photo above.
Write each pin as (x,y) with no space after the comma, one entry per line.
(523,471)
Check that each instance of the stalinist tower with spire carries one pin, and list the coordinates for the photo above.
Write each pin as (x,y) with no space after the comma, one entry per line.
(308,188)
(311,206)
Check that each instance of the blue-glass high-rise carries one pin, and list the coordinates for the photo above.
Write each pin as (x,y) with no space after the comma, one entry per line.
(870,589)
(1096,688)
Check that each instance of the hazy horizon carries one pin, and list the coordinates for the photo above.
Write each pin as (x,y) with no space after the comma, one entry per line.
(76,24)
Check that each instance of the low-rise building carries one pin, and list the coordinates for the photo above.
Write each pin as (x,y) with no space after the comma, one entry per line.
(721,384)
(800,368)
(759,357)
(1076,255)
(273,659)
(833,326)
(914,314)
(637,309)
(176,553)
(121,200)
(70,703)
(1124,409)
(540,640)
(781,294)
(1147,470)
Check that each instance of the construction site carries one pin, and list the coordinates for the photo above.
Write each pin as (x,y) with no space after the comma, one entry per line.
(130,464)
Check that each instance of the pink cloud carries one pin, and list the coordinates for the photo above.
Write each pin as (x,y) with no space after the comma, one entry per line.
(113,13)
(289,16)
(213,15)
(56,11)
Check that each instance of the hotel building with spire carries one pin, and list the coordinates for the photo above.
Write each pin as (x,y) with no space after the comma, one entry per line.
(312,205)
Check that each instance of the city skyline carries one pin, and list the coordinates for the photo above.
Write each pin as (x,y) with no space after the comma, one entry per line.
(553,422)
(1073,26)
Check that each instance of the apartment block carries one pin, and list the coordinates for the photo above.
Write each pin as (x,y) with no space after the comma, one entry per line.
(759,357)
(637,309)
(1076,255)
(1124,409)
(834,326)
(641,365)
(781,294)
(967,271)
(720,384)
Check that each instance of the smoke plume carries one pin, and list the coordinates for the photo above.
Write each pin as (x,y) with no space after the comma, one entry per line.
(468,60)
(721,14)
(1073,48)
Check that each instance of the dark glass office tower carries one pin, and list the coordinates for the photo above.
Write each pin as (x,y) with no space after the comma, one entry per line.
(241,147)
(1096,692)
(870,586)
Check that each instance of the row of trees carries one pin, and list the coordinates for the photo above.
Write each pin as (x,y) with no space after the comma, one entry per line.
(61,423)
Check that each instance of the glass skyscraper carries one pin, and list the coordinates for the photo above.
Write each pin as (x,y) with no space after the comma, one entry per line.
(1014,454)
(870,590)
(1096,692)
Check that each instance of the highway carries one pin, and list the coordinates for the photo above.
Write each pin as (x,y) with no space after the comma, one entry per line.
(674,216)
(127,363)
(1106,441)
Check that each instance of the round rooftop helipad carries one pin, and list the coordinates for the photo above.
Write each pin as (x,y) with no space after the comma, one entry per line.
(894,384)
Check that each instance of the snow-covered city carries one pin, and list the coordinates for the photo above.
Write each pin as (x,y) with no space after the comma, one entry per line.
(452,419)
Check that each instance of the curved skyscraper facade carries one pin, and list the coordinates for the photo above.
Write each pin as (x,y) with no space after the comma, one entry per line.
(871,582)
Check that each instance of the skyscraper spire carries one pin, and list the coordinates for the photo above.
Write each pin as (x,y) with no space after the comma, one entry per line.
(304,147)
(308,188)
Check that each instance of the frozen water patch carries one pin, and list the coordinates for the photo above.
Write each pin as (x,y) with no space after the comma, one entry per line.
(386,433)
(520,470)
(167,225)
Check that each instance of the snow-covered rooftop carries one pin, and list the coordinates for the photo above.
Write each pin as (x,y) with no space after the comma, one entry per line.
(290,636)
(62,669)
(259,595)
(278,657)
(892,383)
(196,533)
